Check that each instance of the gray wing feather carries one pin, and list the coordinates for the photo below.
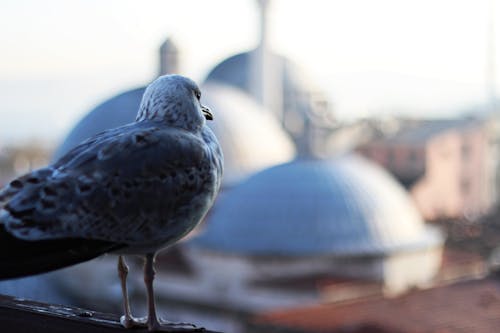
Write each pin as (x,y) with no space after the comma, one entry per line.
(108,187)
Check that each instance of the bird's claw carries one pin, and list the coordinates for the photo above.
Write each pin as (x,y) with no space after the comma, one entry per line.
(171,323)
(159,326)
(131,322)
(173,327)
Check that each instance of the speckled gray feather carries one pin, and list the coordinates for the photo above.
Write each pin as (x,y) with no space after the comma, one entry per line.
(143,185)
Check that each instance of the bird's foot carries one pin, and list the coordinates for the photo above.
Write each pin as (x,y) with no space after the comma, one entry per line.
(173,327)
(159,325)
(132,322)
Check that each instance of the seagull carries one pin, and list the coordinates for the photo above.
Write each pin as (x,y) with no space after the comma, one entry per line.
(134,189)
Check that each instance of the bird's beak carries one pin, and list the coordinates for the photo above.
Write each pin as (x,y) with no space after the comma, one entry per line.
(207,113)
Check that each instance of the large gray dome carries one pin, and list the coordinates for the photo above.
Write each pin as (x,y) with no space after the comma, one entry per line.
(250,136)
(344,206)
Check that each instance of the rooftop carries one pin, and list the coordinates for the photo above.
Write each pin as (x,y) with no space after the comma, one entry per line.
(472,306)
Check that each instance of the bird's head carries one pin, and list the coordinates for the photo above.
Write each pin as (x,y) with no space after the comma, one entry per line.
(175,100)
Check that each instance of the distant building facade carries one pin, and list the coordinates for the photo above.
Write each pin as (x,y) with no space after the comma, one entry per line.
(446,165)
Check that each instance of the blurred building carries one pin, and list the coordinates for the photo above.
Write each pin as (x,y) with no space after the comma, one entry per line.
(446,165)
(344,217)
(471,306)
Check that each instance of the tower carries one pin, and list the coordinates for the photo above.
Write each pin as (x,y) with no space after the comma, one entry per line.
(169,58)
(266,72)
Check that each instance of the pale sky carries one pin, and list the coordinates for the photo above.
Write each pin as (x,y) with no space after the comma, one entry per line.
(59,58)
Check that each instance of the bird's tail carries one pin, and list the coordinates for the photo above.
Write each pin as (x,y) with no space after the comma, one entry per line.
(20,258)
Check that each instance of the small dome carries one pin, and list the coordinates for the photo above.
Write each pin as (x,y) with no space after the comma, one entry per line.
(236,71)
(301,106)
(251,138)
(344,206)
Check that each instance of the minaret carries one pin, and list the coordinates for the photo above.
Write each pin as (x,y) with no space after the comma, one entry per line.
(265,69)
(169,58)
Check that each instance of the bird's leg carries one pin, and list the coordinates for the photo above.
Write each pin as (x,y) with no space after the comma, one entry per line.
(149,276)
(126,320)
(153,322)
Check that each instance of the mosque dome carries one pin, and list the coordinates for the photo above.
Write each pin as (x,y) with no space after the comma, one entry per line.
(296,86)
(237,71)
(299,104)
(251,137)
(343,206)
(234,71)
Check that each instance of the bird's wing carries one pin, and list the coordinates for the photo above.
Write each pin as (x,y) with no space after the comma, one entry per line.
(20,257)
(99,139)
(108,188)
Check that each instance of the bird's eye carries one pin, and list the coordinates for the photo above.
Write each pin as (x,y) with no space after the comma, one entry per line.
(198,94)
